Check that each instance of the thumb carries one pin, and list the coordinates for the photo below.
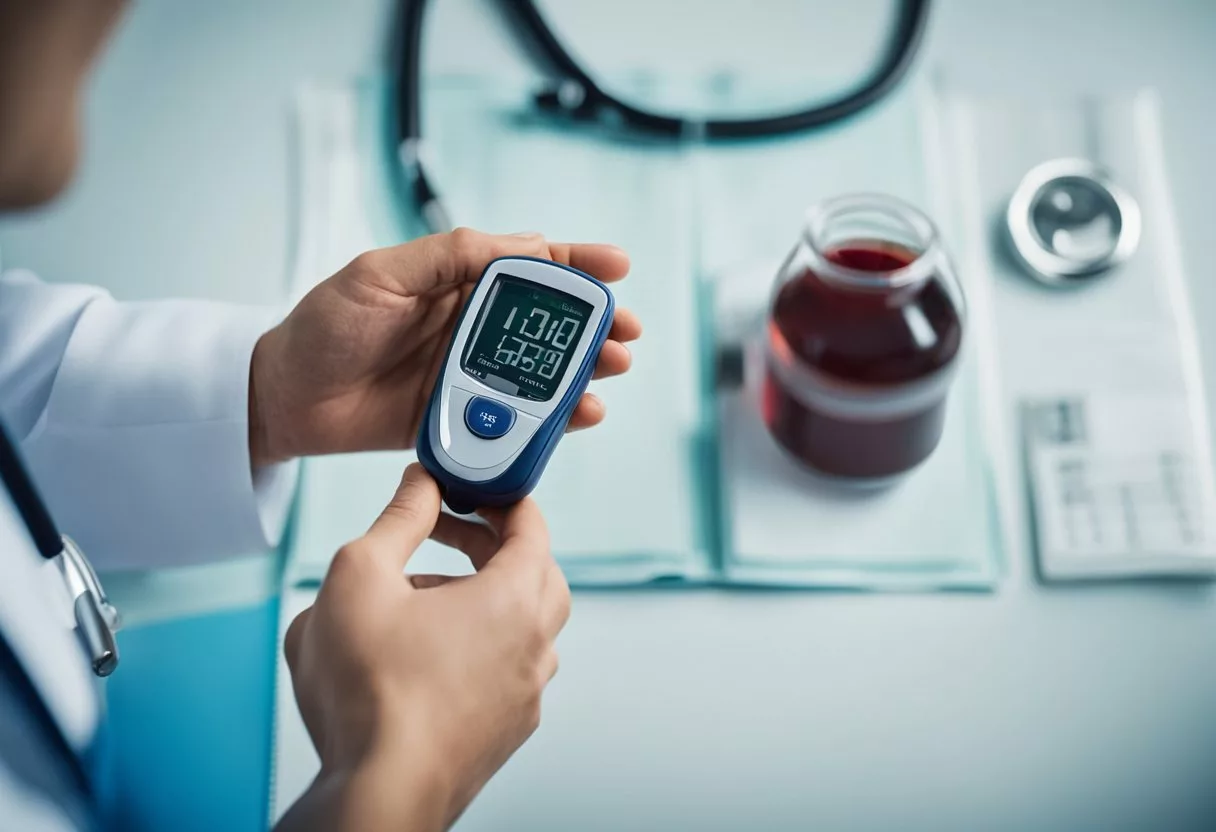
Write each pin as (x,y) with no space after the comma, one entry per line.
(408,518)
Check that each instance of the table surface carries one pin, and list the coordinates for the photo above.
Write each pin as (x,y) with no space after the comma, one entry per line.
(1033,707)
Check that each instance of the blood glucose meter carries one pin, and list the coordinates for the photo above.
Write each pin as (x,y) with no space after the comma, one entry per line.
(520,359)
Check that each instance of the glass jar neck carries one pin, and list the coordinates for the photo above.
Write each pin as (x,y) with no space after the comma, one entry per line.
(871,243)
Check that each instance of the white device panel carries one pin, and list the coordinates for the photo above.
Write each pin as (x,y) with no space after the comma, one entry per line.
(489,457)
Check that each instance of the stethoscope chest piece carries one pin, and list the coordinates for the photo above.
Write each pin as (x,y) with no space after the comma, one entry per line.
(1069,222)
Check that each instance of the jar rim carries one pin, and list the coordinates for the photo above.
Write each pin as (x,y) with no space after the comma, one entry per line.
(821,214)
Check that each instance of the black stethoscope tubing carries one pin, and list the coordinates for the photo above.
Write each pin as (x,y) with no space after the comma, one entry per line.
(30,507)
(37,519)
(575,96)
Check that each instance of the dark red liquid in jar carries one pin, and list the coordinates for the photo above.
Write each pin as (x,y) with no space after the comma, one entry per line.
(875,343)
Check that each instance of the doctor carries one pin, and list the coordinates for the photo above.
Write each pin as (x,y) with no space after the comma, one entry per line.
(163,433)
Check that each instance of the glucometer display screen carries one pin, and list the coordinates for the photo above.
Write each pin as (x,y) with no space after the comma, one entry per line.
(524,338)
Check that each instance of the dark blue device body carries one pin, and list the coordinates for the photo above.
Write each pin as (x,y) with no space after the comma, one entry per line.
(515,483)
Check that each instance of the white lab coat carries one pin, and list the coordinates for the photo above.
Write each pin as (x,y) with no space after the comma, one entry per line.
(133,420)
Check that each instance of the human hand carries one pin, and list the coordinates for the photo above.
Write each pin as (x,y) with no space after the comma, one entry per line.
(416,691)
(352,366)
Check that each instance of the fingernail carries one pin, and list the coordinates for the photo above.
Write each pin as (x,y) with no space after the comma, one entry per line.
(526,234)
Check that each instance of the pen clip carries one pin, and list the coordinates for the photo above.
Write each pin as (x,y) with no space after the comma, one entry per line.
(96,618)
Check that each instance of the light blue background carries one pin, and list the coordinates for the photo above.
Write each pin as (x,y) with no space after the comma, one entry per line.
(1035,708)
(189,720)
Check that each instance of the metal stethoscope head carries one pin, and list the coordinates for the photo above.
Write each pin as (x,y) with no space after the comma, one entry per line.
(1069,222)
(96,618)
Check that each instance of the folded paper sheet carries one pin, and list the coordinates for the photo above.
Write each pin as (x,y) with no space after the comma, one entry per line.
(783,525)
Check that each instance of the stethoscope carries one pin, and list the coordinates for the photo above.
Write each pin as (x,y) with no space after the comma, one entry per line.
(97,620)
(572,95)
(1067,222)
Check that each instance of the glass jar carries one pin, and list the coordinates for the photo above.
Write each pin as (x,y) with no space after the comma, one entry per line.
(862,340)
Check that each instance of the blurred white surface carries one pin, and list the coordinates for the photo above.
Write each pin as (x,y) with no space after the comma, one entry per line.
(1086,707)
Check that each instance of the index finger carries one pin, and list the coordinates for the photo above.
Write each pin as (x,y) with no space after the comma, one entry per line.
(461,255)
(522,521)
(523,566)
(606,262)
(523,537)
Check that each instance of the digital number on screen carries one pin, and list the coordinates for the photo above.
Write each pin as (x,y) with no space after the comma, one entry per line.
(524,340)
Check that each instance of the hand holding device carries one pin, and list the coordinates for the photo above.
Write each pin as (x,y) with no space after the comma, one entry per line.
(351,367)
(414,697)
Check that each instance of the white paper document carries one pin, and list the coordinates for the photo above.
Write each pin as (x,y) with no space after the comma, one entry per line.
(1118,486)
(1111,431)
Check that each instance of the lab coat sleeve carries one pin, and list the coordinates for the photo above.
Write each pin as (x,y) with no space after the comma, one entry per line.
(134,420)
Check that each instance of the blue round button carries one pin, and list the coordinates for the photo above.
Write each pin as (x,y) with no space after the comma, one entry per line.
(487,418)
